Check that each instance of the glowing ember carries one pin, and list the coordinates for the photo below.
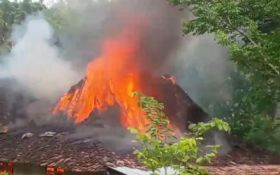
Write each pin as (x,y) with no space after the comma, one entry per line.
(109,81)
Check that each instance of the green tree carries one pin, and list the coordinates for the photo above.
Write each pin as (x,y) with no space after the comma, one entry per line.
(61,16)
(161,149)
(13,13)
(251,31)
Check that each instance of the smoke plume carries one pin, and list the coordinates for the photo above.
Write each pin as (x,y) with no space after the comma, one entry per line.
(39,72)
(202,67)
(35,62)
(47,68)
(159,22)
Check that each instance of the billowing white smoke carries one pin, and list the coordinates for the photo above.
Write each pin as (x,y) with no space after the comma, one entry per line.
(35,62)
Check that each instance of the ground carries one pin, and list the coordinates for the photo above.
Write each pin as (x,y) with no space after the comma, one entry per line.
(86,154)
(247,160)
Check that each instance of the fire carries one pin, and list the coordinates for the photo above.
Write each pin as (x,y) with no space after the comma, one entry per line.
(110,80)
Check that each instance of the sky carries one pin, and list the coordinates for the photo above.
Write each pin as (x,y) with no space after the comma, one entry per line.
(48,3)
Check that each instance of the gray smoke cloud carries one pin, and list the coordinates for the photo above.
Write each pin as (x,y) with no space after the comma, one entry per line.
(35,62)
(202,68)
(95,21)
(38,70)
(199,63)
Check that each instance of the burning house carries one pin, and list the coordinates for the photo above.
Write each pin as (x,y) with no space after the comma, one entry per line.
(124,48)
(117,73)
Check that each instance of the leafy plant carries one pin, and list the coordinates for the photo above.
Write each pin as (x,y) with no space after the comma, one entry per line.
(265,132)
(161,148)
(60,17)
(14,12)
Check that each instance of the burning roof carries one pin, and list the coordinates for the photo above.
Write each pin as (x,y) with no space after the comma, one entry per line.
(112,77)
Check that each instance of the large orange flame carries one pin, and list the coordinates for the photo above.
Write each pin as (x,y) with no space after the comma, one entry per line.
(110,80)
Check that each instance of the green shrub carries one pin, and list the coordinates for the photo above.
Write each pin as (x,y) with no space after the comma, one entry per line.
(262,131)
(161,149)
(250,117)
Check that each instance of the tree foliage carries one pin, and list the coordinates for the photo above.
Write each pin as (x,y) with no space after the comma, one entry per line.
(251,31)
(61,16)
(13,12)
(161,149)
